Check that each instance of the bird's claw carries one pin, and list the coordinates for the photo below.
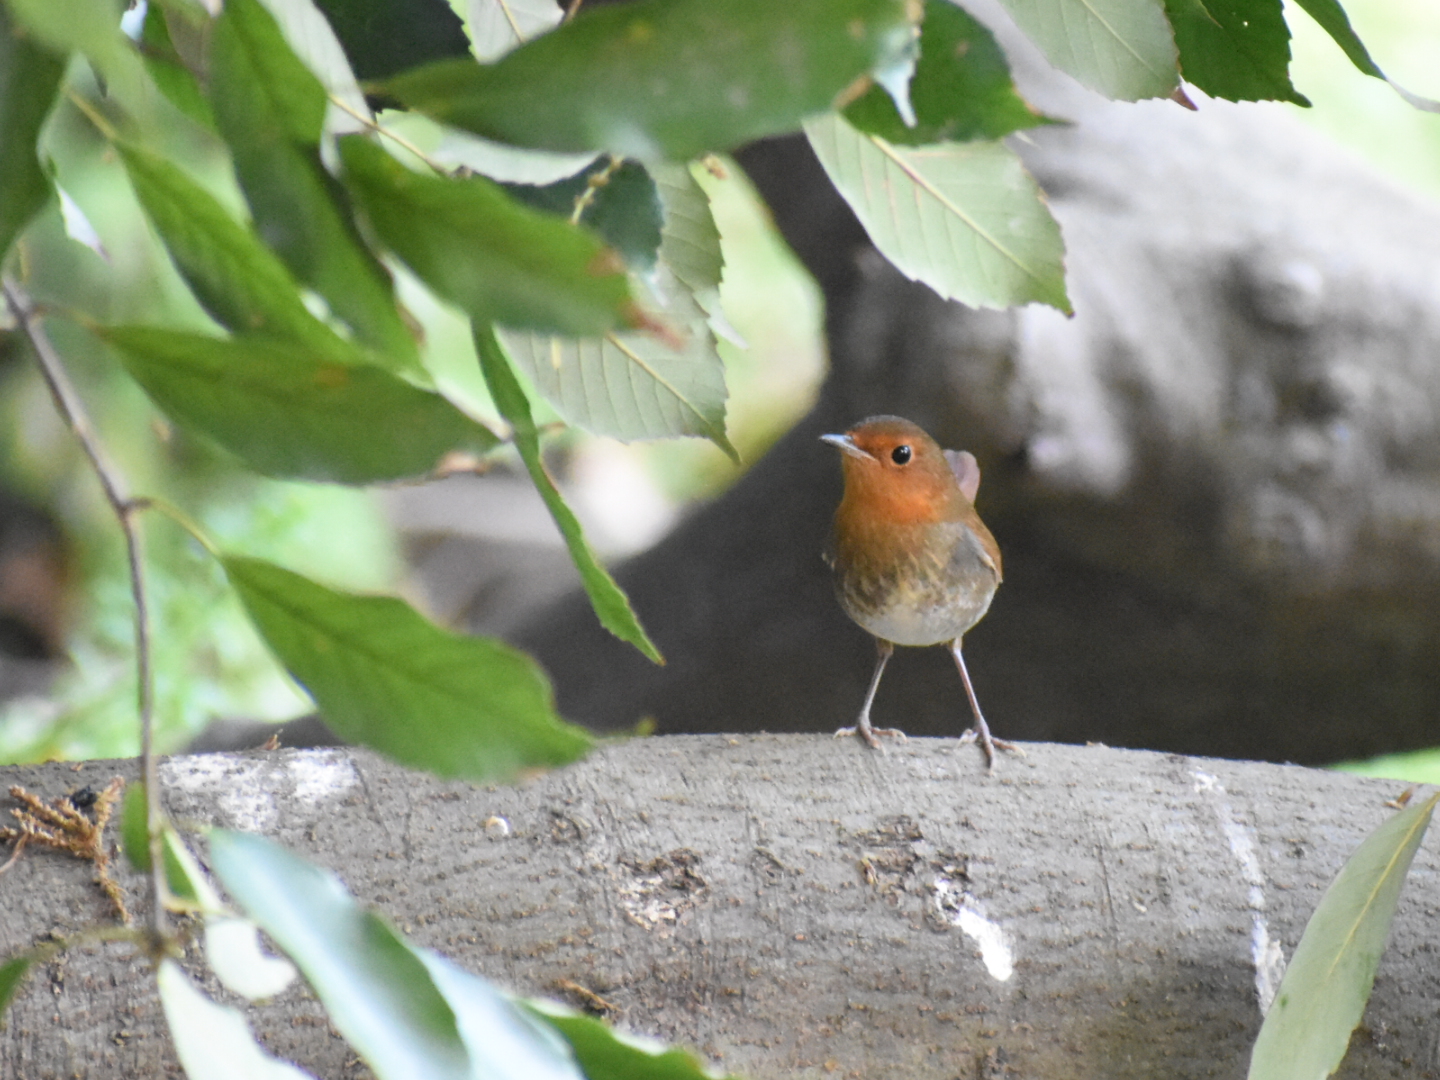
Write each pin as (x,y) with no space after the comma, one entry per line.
(990,744)
(869,734)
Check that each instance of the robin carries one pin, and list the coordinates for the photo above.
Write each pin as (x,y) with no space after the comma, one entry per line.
(913,562)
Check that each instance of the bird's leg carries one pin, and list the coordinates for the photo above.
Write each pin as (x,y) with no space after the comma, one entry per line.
(981,731)
(862,727)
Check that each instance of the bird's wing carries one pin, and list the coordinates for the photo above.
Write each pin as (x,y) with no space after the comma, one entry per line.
(966,470)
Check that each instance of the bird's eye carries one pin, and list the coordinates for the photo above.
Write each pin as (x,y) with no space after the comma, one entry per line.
(900,455)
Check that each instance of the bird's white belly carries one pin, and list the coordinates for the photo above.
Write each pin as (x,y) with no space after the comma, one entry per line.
(907,623)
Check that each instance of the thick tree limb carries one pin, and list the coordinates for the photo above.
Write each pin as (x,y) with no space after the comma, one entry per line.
(793,906)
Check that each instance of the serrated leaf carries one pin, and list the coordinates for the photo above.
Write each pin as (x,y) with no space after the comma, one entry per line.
(689,237)
(497,26)
(213,1042)
(270,108)
(965,219)
(607,1054)
(1122,48)
(1328,981)
(611,604)
(482,251)
(1234,49)
(29,79)
(386,678)
(232,949)
(961,89)
(631,386)
(291,414)
(236,278)
(376,991)
(12,977)
(624,210)
(666,78)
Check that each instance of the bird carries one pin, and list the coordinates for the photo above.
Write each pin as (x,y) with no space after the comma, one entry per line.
(913,563)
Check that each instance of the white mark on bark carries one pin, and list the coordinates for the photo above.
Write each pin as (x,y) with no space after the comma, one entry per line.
(959,908)
(234,785)
(1267,956)
(322,775)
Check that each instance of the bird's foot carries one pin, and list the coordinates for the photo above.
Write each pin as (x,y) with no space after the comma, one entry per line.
(868,733)
(990,744)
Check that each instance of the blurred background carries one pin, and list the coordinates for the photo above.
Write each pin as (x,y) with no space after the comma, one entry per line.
(475,552)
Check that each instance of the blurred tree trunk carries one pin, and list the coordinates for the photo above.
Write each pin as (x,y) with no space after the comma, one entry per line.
(789,905)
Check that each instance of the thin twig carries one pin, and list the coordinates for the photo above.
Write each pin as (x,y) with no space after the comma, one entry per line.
(72,411)
(381,129)
(572,9)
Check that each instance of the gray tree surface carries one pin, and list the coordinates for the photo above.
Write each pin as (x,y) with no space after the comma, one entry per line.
(791,905)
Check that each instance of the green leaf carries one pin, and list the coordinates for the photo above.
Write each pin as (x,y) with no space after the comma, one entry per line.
(29,78)
(606,1054)
(381,37)
(168,69)
(90,27)
(12,977)
(386,678)
(1122,48)
(689,237)
(1333,20)
(213,1042)
(232,949)
(377,992)
(291,414)
(667,78)
(270,109)
(485,253)
(625,209)
(236,278)
(183,876)
(497,26)
(1329,979)
(611,604)
(965,219)
(961,89)
(135,827)
(1235,49)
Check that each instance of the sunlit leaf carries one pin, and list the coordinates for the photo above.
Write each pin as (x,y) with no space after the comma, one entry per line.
(236,278)
(212,1041)
(1234,49)
(1333,20)
(497,26)
(386,678)
(232,949)
(452,148)
(1328,981)
(376,991)
(965,218)
(611,604)
(961,89)
(667,78)
(29,78)
(270,108)
(486,253)
(1122,48)
(291,414)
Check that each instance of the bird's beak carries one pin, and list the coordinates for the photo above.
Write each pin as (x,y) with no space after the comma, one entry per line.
(846,443)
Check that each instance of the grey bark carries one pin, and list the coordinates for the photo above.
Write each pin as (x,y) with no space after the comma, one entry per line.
(790,905)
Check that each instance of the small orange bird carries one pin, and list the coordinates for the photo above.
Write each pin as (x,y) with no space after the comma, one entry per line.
(913,562)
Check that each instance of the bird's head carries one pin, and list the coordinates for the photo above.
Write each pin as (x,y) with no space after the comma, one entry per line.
(893,468)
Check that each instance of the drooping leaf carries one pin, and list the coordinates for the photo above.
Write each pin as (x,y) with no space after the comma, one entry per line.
(386,678)
(168,69)
(377,992)
(12,977)
(611,604)
(1234,49)
(270,109)
(29,78)
(504,1039)
(291,414)
(381,37)
(1328,981)
(965,219)
(1333,20)
(232,949)
(236,278)
(497,26)
(625,210)
(607,1054)
(667,78)
(212,1041)
(1123,49)
(485,253)
(961,89)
